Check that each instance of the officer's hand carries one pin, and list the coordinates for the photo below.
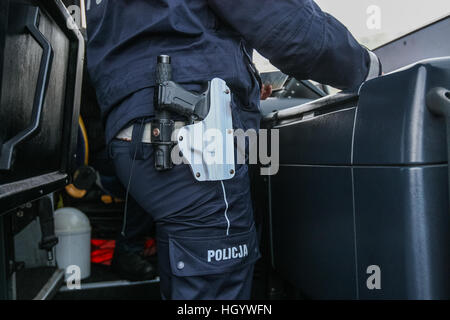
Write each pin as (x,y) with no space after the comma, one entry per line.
(266,91)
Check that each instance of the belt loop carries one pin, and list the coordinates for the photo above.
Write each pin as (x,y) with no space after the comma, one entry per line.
(136,145)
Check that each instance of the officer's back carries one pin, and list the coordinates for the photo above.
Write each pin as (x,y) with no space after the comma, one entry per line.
(207,39)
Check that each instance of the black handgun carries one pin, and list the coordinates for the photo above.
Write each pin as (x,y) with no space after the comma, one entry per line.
(172,98)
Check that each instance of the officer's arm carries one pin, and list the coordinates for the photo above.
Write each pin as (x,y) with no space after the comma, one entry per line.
(301,40)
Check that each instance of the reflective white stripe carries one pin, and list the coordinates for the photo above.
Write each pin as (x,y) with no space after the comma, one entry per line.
(226,206)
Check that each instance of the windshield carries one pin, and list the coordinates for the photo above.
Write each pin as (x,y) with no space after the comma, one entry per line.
(376,22)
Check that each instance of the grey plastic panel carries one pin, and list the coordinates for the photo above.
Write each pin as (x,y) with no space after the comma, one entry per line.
(428,42)
(273,105)
(394,125)
(403,226)
(365,186)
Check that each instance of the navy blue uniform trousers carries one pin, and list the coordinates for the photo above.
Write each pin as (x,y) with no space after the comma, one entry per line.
(206,238)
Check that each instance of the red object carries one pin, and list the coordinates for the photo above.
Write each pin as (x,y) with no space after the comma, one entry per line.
(102,251)
(149,247)
(150,243)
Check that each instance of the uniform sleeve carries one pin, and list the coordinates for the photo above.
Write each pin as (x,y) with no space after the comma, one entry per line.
(300,39)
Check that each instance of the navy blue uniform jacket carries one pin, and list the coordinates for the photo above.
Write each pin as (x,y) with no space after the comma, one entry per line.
(207,39)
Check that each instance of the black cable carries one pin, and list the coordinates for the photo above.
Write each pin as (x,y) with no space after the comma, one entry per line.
(129,180)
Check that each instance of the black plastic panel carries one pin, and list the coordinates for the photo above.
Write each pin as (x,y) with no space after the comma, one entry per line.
(41,163)
(325,139)
(313,234)
(20,75)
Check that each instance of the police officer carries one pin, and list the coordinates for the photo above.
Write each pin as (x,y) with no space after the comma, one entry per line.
(206,238)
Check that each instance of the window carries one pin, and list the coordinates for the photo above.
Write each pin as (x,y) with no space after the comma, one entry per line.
(376,22)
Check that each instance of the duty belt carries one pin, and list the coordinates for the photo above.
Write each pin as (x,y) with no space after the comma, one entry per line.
(205,141)
(126,133)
